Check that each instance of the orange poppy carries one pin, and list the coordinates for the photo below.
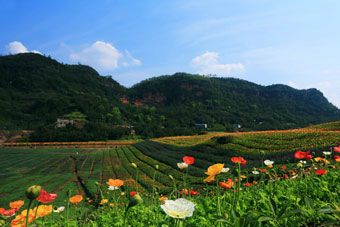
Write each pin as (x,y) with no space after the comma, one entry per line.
(16,204)
(76,199)
(20,219)
(212,171)
(227,185)
(115,182)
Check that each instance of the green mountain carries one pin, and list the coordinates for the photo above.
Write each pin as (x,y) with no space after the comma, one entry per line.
(36,90)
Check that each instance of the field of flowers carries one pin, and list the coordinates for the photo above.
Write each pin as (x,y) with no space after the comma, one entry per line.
(282,178)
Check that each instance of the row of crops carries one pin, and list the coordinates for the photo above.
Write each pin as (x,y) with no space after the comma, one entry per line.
(54,170)
(156,160)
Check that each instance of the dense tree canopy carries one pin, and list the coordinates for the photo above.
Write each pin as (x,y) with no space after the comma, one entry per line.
(36,90)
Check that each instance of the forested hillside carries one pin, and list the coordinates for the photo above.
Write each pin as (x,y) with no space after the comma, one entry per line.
(36,90)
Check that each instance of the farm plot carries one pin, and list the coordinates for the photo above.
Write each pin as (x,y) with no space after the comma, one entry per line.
(54,170)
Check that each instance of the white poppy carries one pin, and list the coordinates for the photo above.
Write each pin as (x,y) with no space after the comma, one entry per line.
(255,172)
(111,188)
(327,153)
(225,170)
(303,162)
(179,208)
(268,162)
(182,165)
(59,209)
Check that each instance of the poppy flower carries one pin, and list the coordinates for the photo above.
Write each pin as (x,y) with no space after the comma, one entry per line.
(327,153)
(20,219)
(187,192)
(226,185)
(248,184)
(179,208)
(239,160)
(269,163)
(320,172)
(76,199)
(318,159)
(115,184)
(103,201)
(16,204)
(189,160)
(163,198)
(46,197)
(284,168)
(303,155)
(263,170)
(194,192)
(336,149)
(336,158)
(43,210)
(212,171)
(133,193)
(7,213)
(59,209)
(182,165)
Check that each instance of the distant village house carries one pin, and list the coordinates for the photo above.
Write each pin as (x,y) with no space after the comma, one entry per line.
(201,126)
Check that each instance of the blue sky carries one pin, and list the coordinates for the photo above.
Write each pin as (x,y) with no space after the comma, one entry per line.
(288,42)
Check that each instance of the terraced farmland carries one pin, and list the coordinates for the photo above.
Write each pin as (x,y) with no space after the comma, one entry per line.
(156,160)
(54,170)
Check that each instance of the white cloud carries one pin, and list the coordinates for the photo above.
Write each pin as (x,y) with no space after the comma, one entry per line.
(17,47)
(209,64)
(104,57)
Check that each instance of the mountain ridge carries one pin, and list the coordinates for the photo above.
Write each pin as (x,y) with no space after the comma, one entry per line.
(36,90)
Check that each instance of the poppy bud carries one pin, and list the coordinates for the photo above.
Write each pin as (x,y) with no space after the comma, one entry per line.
(134,165)
(33,192)
(157,166)
(135,200)
(171,177)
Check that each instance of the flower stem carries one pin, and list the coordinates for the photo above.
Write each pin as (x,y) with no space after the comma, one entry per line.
(28,211)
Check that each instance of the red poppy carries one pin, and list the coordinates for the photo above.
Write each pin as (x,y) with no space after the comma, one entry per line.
(7,213)
(303,155)
(133,193)
(321,172)
(284,168)
(248,184)
(189,160)
(194,192)
(46,197)
(337,149)
(240,160)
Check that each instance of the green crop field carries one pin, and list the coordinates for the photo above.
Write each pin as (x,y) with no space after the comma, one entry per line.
(58,170)
(53,168)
